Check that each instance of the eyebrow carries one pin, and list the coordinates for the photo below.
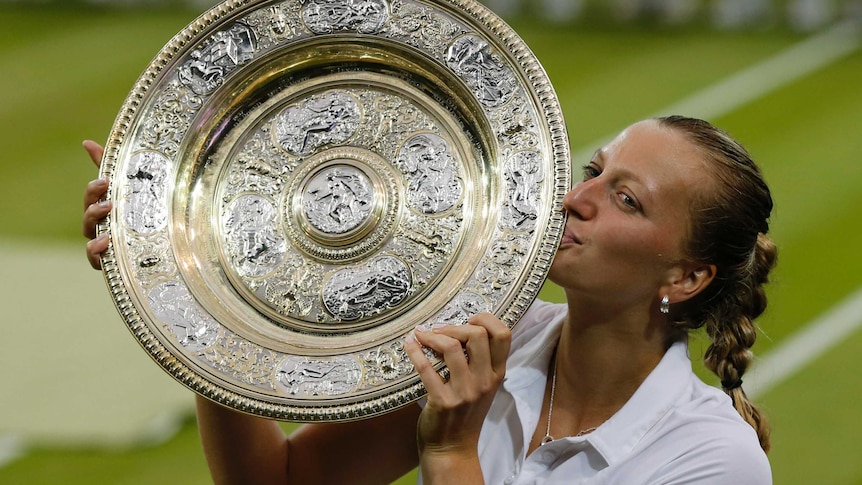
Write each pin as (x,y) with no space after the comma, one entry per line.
(622,172)
(625,173)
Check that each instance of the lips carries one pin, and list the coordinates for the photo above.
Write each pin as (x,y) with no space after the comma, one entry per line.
(569,238)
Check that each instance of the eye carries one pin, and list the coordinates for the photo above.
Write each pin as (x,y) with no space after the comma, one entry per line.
(590,172)
(628,201)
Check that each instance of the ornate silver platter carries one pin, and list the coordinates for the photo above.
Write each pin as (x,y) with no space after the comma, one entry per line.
(298,184)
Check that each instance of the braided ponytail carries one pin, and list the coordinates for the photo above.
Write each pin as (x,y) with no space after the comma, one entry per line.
(729,227)
(732,331)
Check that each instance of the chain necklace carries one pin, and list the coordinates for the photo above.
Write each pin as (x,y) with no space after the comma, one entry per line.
(548,438)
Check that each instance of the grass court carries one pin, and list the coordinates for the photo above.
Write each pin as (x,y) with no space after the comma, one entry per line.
(66,72)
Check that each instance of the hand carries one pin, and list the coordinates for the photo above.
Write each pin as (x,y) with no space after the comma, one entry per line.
(475,355)
(94,210)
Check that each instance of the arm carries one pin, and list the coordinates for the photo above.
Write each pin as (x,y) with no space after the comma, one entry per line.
(240,447)
(449,426)
(245,449)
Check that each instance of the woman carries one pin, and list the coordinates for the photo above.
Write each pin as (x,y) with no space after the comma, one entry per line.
(666,233)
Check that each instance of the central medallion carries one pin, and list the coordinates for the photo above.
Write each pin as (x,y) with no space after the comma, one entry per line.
(342,203)
(338,201)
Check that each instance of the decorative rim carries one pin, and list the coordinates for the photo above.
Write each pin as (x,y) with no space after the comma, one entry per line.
(203,309)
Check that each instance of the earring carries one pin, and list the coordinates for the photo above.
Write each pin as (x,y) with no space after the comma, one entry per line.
(665,305)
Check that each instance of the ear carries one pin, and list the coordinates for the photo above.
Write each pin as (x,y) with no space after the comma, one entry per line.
(687,281)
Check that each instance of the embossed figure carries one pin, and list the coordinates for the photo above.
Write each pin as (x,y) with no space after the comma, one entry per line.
(278,20)
(367,290)
(319,377)
(332,117)
(242,360)
(145,209)
(422,27)
(460,309)
(387,362)
(295,289)
(338,199)
(523,176)
(434,184)
(207,67)
(364,16)
(174,305)
(489,78)
(253,242)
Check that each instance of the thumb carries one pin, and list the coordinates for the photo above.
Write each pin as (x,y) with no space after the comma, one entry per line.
(95,151)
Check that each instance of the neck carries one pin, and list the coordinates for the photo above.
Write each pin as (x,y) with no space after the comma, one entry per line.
(603,357)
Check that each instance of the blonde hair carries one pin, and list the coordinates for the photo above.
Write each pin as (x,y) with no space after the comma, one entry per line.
(728,229)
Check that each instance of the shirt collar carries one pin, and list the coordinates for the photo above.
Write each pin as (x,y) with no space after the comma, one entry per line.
(532,363)
(662,388)
(618,436)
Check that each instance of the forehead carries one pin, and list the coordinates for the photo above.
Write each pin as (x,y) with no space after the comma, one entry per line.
(660,159)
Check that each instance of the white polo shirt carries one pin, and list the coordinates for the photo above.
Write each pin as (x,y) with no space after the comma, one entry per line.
(675,429)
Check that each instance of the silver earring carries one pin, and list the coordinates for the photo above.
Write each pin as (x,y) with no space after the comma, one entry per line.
(665,305)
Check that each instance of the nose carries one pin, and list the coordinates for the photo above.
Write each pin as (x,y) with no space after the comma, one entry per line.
(582,201)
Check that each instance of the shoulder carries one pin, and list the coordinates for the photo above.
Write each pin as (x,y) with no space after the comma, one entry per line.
(539,326)
(538,317)
(708,442)
(718,461)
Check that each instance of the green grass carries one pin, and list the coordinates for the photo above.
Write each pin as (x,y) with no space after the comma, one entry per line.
(801,136)
(179,460)
(67,71)
(65,74)
(816,420)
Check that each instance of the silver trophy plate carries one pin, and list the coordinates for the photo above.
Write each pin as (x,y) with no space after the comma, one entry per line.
(298,185)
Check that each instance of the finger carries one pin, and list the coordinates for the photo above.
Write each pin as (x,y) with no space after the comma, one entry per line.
(463,384)
(452,349)
(475,339)
(95,190)
(433,382)
(95,151)
(499,339)
(92,215)
(95,248)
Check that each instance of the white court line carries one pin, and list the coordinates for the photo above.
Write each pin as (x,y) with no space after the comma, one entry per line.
(789,65)
(804,346)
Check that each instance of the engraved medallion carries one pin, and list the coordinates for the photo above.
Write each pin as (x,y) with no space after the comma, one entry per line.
(254,243)
(367,290)
(434,183)
(208,65)
(365,16)
(326,119)
(299,184)
(338,199)
(145,194)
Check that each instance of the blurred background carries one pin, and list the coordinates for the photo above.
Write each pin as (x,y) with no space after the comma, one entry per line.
(82,403)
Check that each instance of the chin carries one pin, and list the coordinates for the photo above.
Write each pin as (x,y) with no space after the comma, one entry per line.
(557,275)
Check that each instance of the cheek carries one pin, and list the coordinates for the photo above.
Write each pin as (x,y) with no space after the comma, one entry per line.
(641,250)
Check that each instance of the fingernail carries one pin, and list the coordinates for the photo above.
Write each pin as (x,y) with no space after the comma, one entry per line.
(410,339)
(105,204)
(438,326)
(422,328)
